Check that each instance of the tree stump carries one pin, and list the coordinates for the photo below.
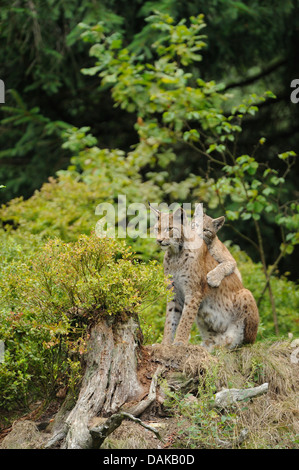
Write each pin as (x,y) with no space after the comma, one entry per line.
(120,379)
(110,378)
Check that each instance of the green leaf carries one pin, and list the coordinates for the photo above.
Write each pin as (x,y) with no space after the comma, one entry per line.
(285,155)
(270,94)
(268,190)
(275,180)
(255,184)
(252,168)
(246,216)
(266,172)
(242,159)
(252,110)
(288,249)
(232,215)
(290,236)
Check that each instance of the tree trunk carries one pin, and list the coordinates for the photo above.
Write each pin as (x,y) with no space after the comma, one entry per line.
(110,378)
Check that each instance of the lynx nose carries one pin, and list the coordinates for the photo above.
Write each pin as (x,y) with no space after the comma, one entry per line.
(159,240)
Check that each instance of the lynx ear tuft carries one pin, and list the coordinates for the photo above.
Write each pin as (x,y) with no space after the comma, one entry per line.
(156,211)
(199,210)
(218,223)
(180,215)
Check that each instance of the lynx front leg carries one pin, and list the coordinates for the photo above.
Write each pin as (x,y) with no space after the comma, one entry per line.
(217,274)
(173,315)
(189,313)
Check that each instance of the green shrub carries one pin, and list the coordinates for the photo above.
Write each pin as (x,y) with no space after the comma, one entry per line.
(48,300)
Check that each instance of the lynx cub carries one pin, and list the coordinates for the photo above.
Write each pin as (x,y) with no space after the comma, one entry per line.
(226,316)
(227,264)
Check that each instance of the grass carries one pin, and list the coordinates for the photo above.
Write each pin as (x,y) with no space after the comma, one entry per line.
(271,419)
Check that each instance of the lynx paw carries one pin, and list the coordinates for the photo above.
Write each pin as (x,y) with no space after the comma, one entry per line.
(213,280)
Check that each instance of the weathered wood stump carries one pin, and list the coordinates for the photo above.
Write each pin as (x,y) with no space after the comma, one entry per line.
(114,387)
(112,384)
(110,379)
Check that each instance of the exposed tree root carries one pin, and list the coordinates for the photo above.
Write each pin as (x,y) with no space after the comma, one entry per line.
(100,433)
(138,409)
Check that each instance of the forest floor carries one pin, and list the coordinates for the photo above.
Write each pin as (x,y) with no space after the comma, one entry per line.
(183,416)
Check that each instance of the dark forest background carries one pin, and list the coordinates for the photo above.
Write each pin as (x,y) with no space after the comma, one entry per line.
(252,46)
(142,99)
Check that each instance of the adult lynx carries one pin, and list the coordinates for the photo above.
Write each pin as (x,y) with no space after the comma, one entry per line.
(226,315)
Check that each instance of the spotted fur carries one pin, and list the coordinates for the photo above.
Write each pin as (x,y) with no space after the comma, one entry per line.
(226,263)
(226,315)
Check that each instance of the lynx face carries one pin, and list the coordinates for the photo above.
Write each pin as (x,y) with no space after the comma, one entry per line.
(210,228)
(173,231)
(169,232)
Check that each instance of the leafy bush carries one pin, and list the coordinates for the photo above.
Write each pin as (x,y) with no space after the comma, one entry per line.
(65,207)
(49,299)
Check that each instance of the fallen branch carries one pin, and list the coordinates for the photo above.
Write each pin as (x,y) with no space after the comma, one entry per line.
(99,433)
(230,396)
(57,438)
(235,442)
(138,409)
